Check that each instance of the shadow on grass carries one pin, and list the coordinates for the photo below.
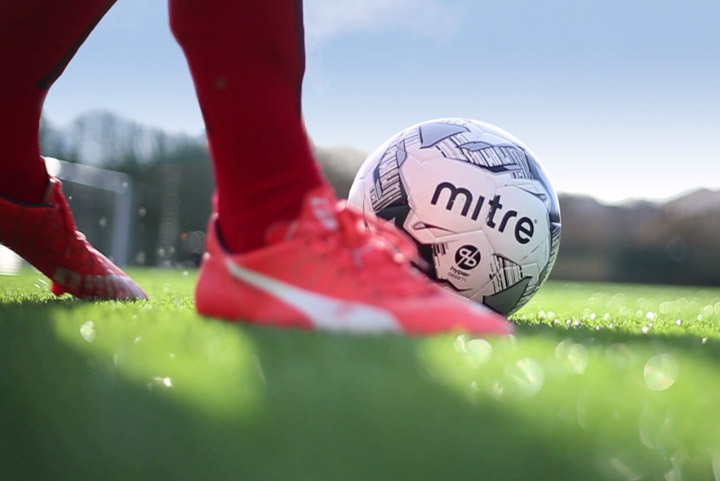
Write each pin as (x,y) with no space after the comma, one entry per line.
(332,407)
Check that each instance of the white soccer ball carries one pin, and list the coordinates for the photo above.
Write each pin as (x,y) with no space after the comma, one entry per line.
(476,201)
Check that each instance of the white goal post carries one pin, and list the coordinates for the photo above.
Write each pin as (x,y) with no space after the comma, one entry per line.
(117,183)
(110,181)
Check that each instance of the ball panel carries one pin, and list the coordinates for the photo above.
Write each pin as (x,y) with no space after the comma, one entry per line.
(518,228)
(448,194)
(463,261)
(508,300)
(422,231)
(511,285)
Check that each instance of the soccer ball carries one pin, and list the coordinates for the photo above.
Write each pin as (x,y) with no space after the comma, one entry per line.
(475,200)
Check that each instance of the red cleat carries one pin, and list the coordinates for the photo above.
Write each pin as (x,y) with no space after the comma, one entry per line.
(327,270)
(45,235)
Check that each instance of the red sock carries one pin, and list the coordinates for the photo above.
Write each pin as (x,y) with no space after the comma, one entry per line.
(247,60)
(37,40)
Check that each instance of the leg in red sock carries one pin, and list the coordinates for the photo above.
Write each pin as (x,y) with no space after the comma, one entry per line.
(37,40)
(247,61)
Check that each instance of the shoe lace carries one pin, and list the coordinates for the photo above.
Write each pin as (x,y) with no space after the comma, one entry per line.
(381,253)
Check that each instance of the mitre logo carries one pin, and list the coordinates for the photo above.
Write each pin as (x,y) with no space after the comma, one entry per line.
(522,227)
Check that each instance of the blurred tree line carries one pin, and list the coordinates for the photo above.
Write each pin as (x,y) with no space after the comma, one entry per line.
(676,242)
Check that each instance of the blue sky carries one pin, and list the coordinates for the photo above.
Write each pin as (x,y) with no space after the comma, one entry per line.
(619,99)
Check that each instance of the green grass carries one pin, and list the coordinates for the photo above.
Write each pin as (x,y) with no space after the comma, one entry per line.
(612,382)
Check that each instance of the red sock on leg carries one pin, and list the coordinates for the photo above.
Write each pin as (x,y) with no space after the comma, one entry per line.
(37,40)
(247,60)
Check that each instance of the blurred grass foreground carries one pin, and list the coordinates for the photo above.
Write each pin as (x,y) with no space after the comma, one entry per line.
(601,381)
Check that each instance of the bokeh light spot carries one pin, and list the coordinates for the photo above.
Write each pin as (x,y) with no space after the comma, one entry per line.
(660,372)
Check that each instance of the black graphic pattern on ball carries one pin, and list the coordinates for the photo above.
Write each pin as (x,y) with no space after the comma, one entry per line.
(467,257)
(388,189)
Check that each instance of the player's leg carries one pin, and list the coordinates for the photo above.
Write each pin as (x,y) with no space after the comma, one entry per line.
(37,40)
(320,267)
(247,62)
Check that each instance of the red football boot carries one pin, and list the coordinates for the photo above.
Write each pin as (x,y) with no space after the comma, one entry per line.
(45,235)
(327,270)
